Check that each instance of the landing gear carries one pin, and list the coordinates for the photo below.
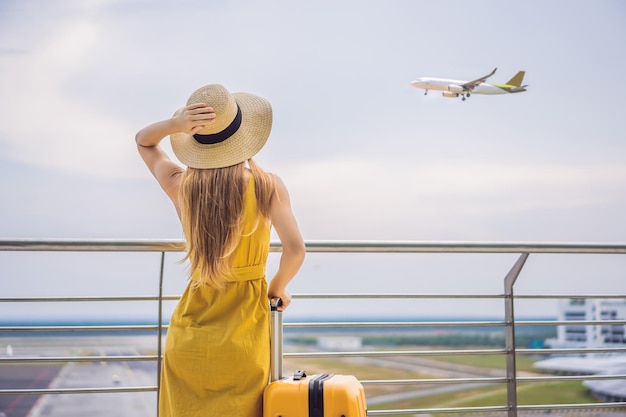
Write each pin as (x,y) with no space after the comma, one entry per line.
(426,92)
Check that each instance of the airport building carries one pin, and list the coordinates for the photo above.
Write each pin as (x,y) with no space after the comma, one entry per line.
(595,335)
(599,335)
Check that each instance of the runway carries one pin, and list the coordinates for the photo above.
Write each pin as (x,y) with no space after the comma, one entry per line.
(79,375)
(24,377)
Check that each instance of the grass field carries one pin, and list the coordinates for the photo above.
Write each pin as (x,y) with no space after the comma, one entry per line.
(472,395)
(536,393)
(522,363)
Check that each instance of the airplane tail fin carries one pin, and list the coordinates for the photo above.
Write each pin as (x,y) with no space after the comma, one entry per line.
(517,79)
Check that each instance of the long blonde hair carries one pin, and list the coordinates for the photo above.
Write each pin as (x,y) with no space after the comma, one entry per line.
(212,208)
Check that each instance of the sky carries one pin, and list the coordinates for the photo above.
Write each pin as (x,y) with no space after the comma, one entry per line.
(364,154)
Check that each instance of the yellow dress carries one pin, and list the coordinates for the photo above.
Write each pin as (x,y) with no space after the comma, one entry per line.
(217,349)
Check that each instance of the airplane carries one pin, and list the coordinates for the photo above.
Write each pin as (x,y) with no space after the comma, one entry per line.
(456,88)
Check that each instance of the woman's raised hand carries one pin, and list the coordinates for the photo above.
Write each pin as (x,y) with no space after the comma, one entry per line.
(194,117)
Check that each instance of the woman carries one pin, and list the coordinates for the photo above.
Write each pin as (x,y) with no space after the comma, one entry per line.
(216,360)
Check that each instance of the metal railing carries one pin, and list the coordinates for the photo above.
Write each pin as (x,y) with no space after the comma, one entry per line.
(509,324)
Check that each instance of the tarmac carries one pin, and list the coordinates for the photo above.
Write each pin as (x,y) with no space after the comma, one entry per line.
(102,375)
(79,375)
(23,377)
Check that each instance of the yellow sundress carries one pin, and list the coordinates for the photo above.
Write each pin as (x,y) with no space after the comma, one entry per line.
(217,348)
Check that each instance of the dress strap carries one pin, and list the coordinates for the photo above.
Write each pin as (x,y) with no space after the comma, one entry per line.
(250,184)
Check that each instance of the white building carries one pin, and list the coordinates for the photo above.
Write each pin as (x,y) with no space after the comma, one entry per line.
(598,335)
(595,335)
(338,343)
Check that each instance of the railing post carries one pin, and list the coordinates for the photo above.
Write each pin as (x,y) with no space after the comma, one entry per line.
(509,316)
(160,331)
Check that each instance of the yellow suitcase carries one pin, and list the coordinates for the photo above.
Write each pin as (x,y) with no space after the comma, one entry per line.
(319,395)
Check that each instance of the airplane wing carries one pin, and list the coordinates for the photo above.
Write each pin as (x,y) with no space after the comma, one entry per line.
(470,85)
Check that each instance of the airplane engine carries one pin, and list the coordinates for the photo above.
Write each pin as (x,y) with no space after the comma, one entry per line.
(449,94)
(455,88)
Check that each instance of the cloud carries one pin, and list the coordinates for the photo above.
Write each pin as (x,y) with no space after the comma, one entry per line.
(42,122)
(548,186)
(377,198)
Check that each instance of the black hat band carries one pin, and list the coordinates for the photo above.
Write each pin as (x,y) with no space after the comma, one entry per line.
(223,135)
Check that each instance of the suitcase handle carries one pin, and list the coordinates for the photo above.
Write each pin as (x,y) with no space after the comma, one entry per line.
(276,340)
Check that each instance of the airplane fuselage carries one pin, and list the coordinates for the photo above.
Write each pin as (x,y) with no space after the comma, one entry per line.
(455,86)
(463,89)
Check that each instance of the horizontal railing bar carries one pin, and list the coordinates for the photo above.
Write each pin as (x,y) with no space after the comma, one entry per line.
(434,296)
(148,358)
(443,352)
(569,350)
(553,407)
(395,353)
(383,324)
(390,295)
(488,409)
(26,359)
(490,380)
(43,391)
(51,359)
(487,380)
(439,296)
(92,245)
(309,296)
(568,378)
(378,324)
(569,322)
(121,358)
(340,246)
(9,329)
(337,246)
(549,296)
(81,299)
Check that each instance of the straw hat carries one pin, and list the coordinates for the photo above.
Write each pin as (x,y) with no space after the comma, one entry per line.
(242,125)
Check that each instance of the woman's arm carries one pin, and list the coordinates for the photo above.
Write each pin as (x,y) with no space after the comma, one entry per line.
(189,119)
(293,249)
